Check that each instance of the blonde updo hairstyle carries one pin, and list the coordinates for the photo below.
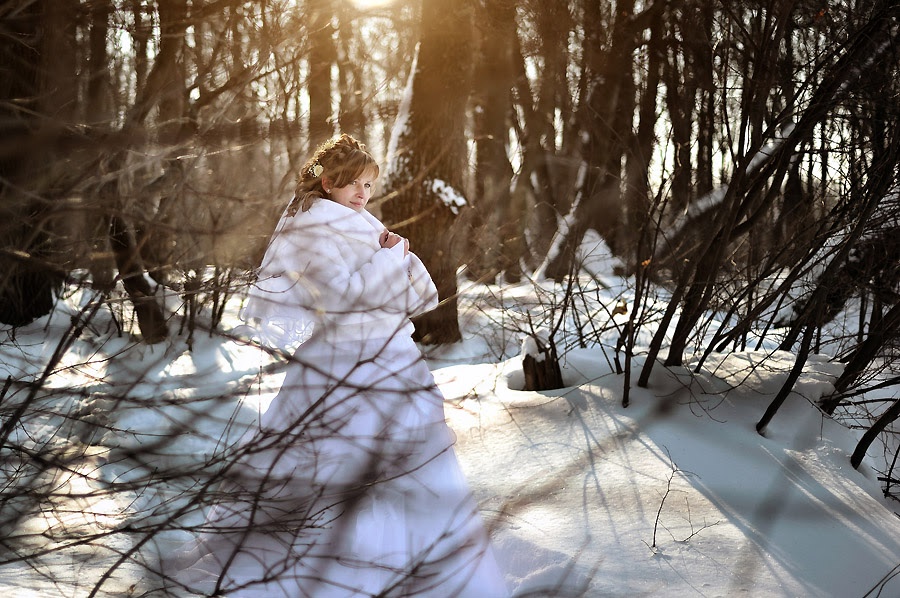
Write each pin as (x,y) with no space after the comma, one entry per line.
(341,160)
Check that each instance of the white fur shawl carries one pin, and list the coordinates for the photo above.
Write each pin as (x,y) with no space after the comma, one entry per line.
(325,272)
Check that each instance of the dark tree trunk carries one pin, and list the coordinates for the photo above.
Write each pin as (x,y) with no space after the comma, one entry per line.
(99,111)
(155,229)
(150,316)
(546,130)
(702,49)
(27,282)
(680,103)
(542,372)
(605,119)
(322,55)
(354,95)
(534,184)
(141,37)
(430,153)
(165,90)
(636,208)
(498,225)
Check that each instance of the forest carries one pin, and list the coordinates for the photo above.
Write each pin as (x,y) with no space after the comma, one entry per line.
(741,158)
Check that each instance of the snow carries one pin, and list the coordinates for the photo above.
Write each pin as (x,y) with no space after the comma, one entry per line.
(533,346)
(401,122)
(675,495)
(778,516)
(447,195)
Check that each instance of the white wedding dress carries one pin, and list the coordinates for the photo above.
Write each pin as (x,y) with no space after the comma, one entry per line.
(349,486)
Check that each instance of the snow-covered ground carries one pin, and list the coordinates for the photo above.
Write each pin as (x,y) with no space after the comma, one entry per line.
(675,495)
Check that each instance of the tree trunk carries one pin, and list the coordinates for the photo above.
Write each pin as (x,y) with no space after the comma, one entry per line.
(543,372)
(27,284)
(534,183)
(100,112)
(141,37)
(680,99)
(150,316)
(636,205)
(322,55)
(351,115)
(606,114)
(165,89)
(425,174)
(498,225)
(155,228)
(702,50)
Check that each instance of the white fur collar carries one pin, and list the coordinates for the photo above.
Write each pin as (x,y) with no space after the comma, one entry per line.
(333,214)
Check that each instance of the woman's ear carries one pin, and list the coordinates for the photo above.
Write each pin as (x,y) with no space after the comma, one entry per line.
(326,184)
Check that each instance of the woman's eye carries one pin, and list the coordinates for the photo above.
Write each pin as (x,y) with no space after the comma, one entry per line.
(369,185)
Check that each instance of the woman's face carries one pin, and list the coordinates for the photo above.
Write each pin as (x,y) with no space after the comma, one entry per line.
(355,195)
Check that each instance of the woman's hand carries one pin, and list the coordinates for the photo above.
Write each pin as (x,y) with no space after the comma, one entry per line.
(387,239)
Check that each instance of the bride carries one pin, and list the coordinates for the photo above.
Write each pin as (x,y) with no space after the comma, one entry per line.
(349,486)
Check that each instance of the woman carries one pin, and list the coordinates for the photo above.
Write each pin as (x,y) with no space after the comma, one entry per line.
(350,486)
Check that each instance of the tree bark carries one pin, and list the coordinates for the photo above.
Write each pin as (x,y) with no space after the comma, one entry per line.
(637,201)
(542,373)
(351,116)
(425,176)
(606,119)
(27,284)
(702,50)
(534,184)
(322,55)
(150,316)
(498,225)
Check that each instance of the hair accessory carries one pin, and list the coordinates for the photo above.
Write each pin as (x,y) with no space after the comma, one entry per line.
(316,170)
